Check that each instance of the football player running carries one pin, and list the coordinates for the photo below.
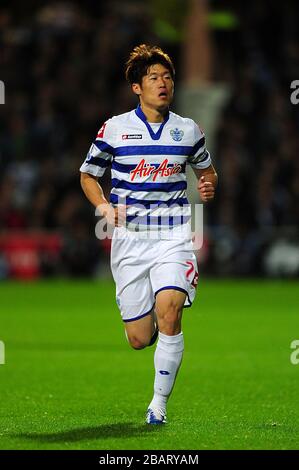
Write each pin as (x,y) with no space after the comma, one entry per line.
(152,257)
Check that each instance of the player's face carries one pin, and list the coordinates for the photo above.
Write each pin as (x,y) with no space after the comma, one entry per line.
(156,89)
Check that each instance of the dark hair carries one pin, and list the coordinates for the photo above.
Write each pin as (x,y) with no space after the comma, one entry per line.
(141,58)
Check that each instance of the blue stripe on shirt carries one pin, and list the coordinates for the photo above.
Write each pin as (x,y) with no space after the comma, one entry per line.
(160,220)
(206,156)
(115,199)
(98,162)
(142,150)
(164,187)
(104,147)
(200,159)
(198,145)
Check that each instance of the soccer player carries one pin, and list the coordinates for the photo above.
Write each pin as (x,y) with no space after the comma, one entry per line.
(148,149)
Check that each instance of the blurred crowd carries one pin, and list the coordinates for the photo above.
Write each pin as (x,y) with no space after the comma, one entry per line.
(63,69)
(62,66)
(258,144)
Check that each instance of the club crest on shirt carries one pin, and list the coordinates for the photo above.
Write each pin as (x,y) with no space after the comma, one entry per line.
(176,134)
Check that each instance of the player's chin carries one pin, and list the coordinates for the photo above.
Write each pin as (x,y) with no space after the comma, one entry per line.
(163,103)
(162,107)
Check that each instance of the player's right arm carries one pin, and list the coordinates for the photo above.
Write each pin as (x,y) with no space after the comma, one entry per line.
(97,160)
(95,194)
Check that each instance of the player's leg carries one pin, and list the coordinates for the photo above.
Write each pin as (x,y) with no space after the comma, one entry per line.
(130,263)
(169,351)
(173,280)
(169,309)
(142,332)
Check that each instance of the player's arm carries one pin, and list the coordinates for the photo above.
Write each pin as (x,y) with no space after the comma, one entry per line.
(207,182)
(99,158)
(95,194)
(201,163)
(93,191)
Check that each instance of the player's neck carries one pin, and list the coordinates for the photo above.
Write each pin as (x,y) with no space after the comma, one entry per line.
(152,114)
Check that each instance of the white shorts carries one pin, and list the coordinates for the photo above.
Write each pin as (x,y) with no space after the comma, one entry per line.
(142,267)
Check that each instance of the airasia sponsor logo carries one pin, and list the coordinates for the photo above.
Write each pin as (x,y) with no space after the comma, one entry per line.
(145,169)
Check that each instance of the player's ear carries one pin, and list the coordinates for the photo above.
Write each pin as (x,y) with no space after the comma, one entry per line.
(136,88)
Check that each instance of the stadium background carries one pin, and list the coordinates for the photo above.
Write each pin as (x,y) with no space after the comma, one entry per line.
(62,65)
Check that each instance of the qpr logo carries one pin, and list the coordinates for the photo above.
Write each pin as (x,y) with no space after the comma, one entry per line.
(177,134)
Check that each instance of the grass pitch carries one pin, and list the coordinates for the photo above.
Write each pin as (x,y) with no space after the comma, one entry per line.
(71,381)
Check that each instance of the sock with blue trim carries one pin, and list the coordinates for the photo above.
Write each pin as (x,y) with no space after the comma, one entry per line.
(168,358)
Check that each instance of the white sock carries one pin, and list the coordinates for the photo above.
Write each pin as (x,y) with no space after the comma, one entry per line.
(168,358)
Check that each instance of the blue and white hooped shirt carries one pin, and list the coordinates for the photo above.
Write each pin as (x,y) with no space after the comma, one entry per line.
(148,166)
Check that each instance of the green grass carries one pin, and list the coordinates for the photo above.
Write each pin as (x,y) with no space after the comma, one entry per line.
(71,381)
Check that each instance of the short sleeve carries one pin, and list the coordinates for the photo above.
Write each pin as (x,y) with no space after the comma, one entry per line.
(200,157)
(100,154)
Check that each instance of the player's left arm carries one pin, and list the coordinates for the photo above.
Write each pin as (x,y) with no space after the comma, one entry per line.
(207,182)
(201,163)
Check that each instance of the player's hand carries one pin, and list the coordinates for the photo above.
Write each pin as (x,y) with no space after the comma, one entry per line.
(206,190)
(115,216)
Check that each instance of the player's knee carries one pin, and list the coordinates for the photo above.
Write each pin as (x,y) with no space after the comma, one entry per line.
(137,343)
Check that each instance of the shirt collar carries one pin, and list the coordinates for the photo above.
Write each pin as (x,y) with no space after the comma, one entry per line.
(154,135)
